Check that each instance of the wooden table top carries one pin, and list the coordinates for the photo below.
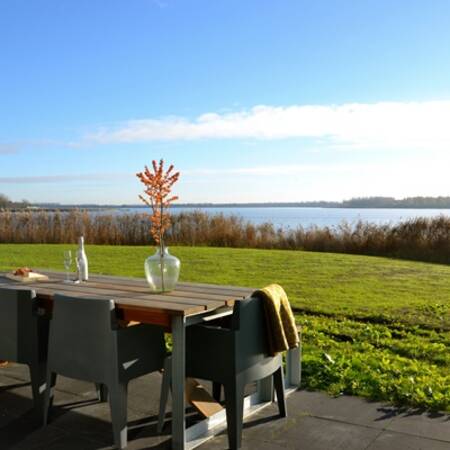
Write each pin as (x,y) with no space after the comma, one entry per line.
(132,298)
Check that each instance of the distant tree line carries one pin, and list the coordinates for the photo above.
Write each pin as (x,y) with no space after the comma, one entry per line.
(5,202)
(358,202)
(390,202)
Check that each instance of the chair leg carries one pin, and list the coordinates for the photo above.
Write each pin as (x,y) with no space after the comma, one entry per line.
(38,374)
(118,403)
(49,394)
(216,391)
(234,404)
(164,396)
(278,380)
(102,392)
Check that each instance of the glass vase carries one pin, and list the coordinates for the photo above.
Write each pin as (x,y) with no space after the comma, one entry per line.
(162,271)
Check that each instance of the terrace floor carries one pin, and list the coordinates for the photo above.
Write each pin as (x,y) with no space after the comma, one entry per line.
(315,422)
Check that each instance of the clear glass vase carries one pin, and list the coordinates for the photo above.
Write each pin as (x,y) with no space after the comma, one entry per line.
(162,271)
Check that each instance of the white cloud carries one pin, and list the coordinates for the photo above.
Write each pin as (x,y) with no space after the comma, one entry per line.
(384,124)
(8,149)
(68,178)
(293,169)
(92,178)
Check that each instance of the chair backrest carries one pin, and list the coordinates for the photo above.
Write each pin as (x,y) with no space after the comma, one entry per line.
(18,325)
(249,324)
(82,342)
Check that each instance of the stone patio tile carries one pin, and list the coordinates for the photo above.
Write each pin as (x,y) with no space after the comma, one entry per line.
(429,425)
(62,442)
(221,442)
(16,371)
(18,419)
(24,439)
(345,408)
(143,394)
(149,439)
(16,395)
(310,433)
(15,400)
(266,430)
(142,433)
(389,440)
(72,386)
(90,420)
(316,421)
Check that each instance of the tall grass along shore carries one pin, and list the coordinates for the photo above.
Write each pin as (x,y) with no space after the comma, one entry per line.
(422,239)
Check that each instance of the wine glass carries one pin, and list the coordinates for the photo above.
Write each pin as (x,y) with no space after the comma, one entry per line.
(67,264)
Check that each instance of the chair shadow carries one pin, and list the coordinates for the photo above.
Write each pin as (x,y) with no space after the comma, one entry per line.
(23,425)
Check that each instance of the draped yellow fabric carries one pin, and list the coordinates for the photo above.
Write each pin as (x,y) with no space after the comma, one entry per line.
(281,327)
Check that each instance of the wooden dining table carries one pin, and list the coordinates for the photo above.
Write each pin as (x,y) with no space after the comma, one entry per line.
(188,304)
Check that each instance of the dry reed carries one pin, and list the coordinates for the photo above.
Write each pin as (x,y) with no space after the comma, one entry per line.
(425,239)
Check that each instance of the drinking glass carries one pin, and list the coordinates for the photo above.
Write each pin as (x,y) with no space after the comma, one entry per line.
(67,264)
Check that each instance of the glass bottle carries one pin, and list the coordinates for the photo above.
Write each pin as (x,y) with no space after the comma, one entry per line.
(83,267)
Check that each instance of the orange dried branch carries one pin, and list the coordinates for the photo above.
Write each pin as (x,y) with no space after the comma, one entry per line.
(157,190)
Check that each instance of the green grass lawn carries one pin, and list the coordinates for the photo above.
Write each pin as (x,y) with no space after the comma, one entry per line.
(374,327)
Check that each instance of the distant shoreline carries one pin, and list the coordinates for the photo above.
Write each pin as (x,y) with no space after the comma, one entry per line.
(68,208)
(441,202)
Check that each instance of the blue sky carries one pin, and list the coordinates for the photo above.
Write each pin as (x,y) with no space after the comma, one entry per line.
(253,100)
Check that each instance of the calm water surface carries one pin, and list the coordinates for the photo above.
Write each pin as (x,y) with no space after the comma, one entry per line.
(293,217)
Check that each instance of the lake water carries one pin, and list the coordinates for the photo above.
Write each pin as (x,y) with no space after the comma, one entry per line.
(289,217)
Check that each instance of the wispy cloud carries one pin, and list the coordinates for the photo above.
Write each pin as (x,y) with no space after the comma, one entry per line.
(292,169)
(33,144)
(193,174)
(385,124)
(90,177)
(160,3)
(9,149)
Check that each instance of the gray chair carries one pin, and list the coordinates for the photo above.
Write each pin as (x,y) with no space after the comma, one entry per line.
(86,343)
(24,337)
(231,357)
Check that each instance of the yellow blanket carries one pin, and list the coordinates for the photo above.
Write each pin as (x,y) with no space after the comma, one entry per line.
(281,328)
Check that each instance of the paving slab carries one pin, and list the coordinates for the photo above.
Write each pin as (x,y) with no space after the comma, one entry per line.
(143,394)
(344,408)
(316,421)
(24,439)
(23,421)
(62,442)
(86,417)
(302,433)
(389,440)
(429,425)
(17,371)
(15,401)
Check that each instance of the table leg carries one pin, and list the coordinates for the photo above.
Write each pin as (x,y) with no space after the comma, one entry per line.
(178,380)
